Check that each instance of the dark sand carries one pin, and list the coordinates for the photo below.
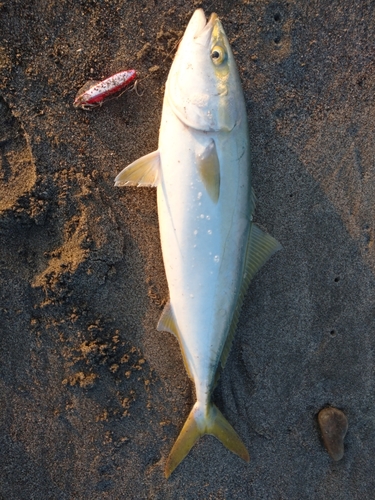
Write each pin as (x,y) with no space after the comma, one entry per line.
(92,397)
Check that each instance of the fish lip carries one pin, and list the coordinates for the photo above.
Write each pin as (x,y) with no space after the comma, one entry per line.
(204,35)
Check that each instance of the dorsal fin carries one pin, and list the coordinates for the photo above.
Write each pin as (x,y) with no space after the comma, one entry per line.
(167,323)
(142,172)
(260,247)
(209,170)
(253,202)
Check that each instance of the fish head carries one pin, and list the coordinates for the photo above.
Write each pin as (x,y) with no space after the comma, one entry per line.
(203,87)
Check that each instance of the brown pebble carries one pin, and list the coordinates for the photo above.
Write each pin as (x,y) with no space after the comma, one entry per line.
(333,425)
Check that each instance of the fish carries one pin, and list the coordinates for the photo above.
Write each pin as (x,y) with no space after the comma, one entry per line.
(94,93)
(211,247)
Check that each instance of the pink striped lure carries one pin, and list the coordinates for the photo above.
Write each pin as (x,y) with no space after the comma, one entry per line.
(93,93)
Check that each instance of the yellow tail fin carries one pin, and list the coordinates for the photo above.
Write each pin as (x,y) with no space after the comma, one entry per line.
(202,421)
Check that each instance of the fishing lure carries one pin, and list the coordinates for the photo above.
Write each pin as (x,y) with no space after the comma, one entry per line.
(93,93)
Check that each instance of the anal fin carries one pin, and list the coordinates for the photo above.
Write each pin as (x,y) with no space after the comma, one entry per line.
(143,172)
(167,323)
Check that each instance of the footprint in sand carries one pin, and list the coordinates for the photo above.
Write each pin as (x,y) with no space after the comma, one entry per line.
(17,168)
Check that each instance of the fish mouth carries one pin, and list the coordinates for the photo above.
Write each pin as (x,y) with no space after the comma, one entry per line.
(205,28)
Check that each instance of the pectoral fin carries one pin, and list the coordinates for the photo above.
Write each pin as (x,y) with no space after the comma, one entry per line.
(143,172)
(209,170)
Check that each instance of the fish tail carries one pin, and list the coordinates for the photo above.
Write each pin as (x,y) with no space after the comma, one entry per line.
(201,421)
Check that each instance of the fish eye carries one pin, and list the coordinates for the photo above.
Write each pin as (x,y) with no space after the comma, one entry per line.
(218,54)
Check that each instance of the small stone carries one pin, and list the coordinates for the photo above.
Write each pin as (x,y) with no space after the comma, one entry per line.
(333,425)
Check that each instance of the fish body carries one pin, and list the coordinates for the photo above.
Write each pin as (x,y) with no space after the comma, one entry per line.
(203,239)
(211,249)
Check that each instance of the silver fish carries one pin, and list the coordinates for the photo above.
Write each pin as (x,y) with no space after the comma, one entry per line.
(211,248)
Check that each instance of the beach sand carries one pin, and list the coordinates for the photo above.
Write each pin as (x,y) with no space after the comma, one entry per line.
(92,397)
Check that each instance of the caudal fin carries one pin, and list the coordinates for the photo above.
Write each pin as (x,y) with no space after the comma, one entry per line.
(204,421)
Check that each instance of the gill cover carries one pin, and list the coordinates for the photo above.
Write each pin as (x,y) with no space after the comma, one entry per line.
(203,83)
